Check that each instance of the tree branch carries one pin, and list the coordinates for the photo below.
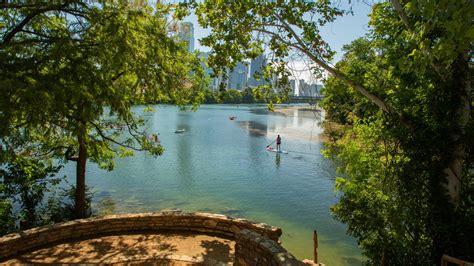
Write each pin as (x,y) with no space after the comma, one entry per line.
(28,18)
(5,5)
(69,155)
(401,13)
(403,16)
(103,136)
(304,49)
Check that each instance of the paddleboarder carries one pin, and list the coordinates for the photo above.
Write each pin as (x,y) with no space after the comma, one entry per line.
(278,140)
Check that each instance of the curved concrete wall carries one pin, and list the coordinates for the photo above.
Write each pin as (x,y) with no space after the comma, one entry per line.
(254,249)
(13,244)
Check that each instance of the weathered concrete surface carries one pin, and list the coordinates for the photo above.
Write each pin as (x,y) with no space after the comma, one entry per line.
(200,223)
(167,248)
(156,237)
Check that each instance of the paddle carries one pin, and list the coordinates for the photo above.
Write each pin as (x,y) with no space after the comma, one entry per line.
(270,143)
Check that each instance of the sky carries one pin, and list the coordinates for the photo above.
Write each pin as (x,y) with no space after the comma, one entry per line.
(342,31)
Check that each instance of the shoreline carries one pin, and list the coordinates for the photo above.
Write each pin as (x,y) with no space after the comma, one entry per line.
(309,112)
(300,110)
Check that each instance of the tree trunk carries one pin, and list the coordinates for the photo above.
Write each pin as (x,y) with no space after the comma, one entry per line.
(80,196)
(461,82)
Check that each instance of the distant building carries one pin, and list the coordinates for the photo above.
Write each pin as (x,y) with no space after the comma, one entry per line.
(186,33)
(317,90)
(257,66)
(293,91)
(214,81)
(310,90)
(238,77)
(302,88)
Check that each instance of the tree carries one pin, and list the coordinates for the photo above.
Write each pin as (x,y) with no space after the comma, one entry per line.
(210,97)
(7,223)
(247,96)
(420,83)
(32,187)
(70,73)
(232,96)
(26,183)
(360,63)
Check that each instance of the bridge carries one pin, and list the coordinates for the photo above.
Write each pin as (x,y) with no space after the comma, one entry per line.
(305,99)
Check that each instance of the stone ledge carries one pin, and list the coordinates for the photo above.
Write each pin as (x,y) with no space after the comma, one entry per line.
(255,249)
(17,243)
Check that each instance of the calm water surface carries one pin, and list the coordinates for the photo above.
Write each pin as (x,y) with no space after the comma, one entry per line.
(221,166)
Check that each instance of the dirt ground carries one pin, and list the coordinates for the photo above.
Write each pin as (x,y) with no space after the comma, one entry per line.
(148,248)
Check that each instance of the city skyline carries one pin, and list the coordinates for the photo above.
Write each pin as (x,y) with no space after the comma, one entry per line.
(337,34)
(242,77)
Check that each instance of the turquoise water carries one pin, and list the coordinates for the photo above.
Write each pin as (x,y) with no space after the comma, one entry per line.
(221,166)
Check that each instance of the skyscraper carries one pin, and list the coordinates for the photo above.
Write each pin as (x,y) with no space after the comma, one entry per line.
(186,33)
(302,88)
(293,91)
(256,67)
(315,89)
(238,76)
(214,81)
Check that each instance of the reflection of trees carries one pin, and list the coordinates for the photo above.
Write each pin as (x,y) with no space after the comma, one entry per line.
(277,160)
(183,152)
(255,129)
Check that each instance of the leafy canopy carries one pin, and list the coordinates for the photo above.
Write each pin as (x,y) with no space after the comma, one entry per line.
(78,67)
(70,72)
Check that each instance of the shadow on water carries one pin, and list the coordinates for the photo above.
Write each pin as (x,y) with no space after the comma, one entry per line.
(181,203)
(102,194)
(353,261)
(255,129)
(298,157)
(277,160)
(205,210)
(265,111)
(231,212)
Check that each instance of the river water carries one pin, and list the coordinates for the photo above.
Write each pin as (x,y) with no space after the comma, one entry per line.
(221,166)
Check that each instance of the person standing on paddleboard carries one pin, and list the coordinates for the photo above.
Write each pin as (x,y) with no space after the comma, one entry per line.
(278,142)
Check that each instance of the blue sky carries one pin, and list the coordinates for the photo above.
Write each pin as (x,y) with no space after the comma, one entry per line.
(342,31)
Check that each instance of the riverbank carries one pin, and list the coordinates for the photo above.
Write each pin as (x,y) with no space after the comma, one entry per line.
(330,129)
(306,111)
(320,130)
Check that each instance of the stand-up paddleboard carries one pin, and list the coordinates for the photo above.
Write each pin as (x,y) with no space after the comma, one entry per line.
(275,150)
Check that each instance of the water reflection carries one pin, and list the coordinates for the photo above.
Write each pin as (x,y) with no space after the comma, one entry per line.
(184,154)
(255,129)
(277,160)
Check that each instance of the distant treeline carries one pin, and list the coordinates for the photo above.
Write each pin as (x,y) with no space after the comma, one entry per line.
(230,96)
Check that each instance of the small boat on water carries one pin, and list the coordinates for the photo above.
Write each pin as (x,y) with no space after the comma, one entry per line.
(180,130)
(232,117)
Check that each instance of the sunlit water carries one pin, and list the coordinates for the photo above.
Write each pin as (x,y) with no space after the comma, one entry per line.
(221,166)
